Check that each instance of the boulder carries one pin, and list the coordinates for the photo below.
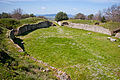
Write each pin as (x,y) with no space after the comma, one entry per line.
(97,23)
(64,23)
(60,23)
(109,38)
(117,35)
(112,40)
(119,46)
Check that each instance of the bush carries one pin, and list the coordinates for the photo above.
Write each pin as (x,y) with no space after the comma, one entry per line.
(103,20)
(61,16)
(9,23)
(80,16)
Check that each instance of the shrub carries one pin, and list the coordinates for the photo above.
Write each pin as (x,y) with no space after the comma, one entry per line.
(80,16)
(103,19)
(61,16)
(9,23)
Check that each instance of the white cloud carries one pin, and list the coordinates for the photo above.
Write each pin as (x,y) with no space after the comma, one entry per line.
(43,8)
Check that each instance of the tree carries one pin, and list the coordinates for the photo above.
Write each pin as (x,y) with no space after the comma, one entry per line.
(17,13)
(103,19)
(32,15)
(61,16)
(80,16)
(25,16)
(98,16)
(113,13)
(90,17)
(5,15)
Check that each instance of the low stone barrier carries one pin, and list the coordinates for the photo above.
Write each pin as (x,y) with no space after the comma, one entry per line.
(28,27)
(93,28)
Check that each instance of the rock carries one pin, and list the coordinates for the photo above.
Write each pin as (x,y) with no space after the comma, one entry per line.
(119,46)
(112,40)
(117,35)
(60,23)
(89,33)
(46,70)
(97,23)
(53,24)
(109,38)
(64,23)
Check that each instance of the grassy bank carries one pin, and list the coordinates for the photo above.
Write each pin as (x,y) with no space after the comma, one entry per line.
(16,65)
(13,24)
(82,55)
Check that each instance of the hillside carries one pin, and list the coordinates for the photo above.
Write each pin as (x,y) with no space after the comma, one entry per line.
(14,64)
(81,54)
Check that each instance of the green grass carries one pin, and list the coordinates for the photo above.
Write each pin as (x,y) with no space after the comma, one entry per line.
(31,20)
(12,23)
(81,55)
(90,22)
(16,65)
(111,25)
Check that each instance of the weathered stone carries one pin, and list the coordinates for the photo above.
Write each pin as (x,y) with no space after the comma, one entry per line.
(89,33)
(46,70)
(97,23)
(109,38)
(112,40)
(12,36)
(93,28)
(119,46)
(64,23)
(117,35)
(60,23)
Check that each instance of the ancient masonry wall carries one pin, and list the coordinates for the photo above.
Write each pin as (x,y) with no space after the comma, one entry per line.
(93,28)
(28,27)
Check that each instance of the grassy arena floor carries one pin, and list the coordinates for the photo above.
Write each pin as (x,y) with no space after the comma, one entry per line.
(82,55)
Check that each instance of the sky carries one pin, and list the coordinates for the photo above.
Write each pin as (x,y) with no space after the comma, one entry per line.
(54,6)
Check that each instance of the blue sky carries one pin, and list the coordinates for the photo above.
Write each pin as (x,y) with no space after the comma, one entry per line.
(53,6)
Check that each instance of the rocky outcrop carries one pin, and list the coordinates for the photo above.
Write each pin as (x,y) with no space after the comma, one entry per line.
(93,28)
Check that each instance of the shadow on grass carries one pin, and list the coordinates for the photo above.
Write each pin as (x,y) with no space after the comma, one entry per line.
(19,42)
(5,58)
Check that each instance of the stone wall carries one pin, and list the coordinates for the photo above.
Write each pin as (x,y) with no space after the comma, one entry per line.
(93,28)
(29,27)
(11,34)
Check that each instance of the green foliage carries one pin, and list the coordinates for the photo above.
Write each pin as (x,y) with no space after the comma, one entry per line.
(9,23)
(32,15)
(5,15)
(90,17)
(80,54)
(80,16)
(61,16)
(103,20)
(90,22)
